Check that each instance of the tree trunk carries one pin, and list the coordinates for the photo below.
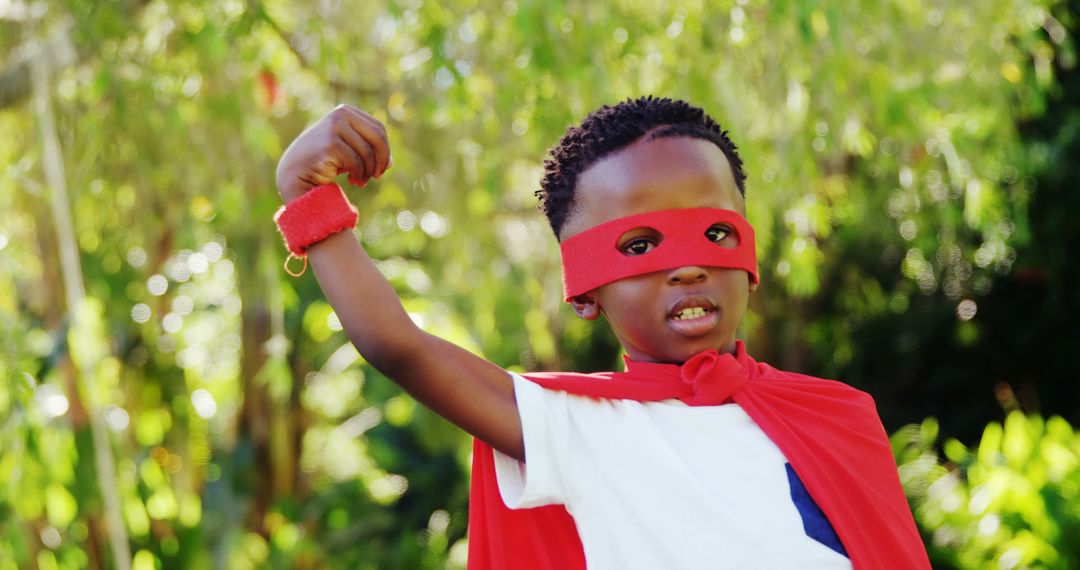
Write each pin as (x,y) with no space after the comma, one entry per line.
(75,293)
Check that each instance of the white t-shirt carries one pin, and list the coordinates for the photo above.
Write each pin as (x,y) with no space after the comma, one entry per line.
(660,485)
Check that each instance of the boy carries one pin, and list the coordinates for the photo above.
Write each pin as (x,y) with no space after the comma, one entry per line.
(696,456)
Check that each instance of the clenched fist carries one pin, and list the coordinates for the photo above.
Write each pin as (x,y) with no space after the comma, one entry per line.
(345,140)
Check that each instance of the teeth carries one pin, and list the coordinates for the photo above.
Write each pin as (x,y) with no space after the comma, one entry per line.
(691,313)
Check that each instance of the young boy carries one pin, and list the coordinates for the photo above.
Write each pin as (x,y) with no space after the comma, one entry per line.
(696,456)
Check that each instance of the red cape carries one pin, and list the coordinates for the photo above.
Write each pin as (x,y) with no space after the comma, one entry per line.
(829,432)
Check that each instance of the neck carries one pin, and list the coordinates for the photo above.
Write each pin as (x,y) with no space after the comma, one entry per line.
(734,348)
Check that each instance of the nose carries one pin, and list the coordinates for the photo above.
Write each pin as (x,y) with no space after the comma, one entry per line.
(686,274)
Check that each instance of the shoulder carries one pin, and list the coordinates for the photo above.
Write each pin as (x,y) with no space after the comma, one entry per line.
(768,373)
(541,377)
(833,404)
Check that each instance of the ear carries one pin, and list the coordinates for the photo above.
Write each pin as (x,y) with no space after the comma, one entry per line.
(585,306)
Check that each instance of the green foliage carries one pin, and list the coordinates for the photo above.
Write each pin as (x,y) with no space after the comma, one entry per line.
(1011,501)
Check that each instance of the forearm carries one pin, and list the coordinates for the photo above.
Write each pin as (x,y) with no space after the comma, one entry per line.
(462,387)
(366,304)
(474,394)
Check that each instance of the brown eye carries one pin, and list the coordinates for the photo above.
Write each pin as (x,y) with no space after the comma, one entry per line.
(639,241)
(717,233)
(638,246)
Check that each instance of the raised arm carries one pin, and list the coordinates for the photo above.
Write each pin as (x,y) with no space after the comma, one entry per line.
(471,392)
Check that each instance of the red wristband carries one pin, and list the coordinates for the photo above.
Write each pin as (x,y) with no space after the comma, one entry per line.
(313,217)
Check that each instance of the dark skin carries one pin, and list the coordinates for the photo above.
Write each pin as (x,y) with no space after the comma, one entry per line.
(663,174)
(471,392)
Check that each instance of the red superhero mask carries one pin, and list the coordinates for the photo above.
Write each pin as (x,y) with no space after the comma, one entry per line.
(592,258)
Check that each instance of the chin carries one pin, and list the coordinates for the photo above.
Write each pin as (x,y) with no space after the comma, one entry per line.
(676,350)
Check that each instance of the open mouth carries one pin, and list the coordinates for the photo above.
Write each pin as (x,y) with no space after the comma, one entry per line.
(691,307)
(693,315)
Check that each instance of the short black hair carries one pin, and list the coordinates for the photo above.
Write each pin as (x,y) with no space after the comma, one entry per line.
(611,128)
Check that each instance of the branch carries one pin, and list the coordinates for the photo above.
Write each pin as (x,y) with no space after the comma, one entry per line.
(54,53)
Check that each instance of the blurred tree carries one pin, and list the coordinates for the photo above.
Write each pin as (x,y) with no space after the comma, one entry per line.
(892,191)
(1007,502)
(1009,343)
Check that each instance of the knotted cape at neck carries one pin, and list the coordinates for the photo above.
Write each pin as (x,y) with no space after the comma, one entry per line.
(829,432)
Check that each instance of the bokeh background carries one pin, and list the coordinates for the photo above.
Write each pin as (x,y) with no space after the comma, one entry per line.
(170,398)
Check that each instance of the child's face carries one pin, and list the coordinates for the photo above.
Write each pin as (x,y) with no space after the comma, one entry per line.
(662,174)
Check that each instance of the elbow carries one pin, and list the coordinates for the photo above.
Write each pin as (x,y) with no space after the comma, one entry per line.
(389,351)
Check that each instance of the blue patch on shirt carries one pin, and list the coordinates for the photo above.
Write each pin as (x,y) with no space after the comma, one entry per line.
(814,522)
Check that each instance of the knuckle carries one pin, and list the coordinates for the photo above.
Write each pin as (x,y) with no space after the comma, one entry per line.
(337,119)
(341,146)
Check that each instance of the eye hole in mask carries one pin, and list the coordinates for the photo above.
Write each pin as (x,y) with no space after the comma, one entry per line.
(722,235)
(640,241)
(656,241)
